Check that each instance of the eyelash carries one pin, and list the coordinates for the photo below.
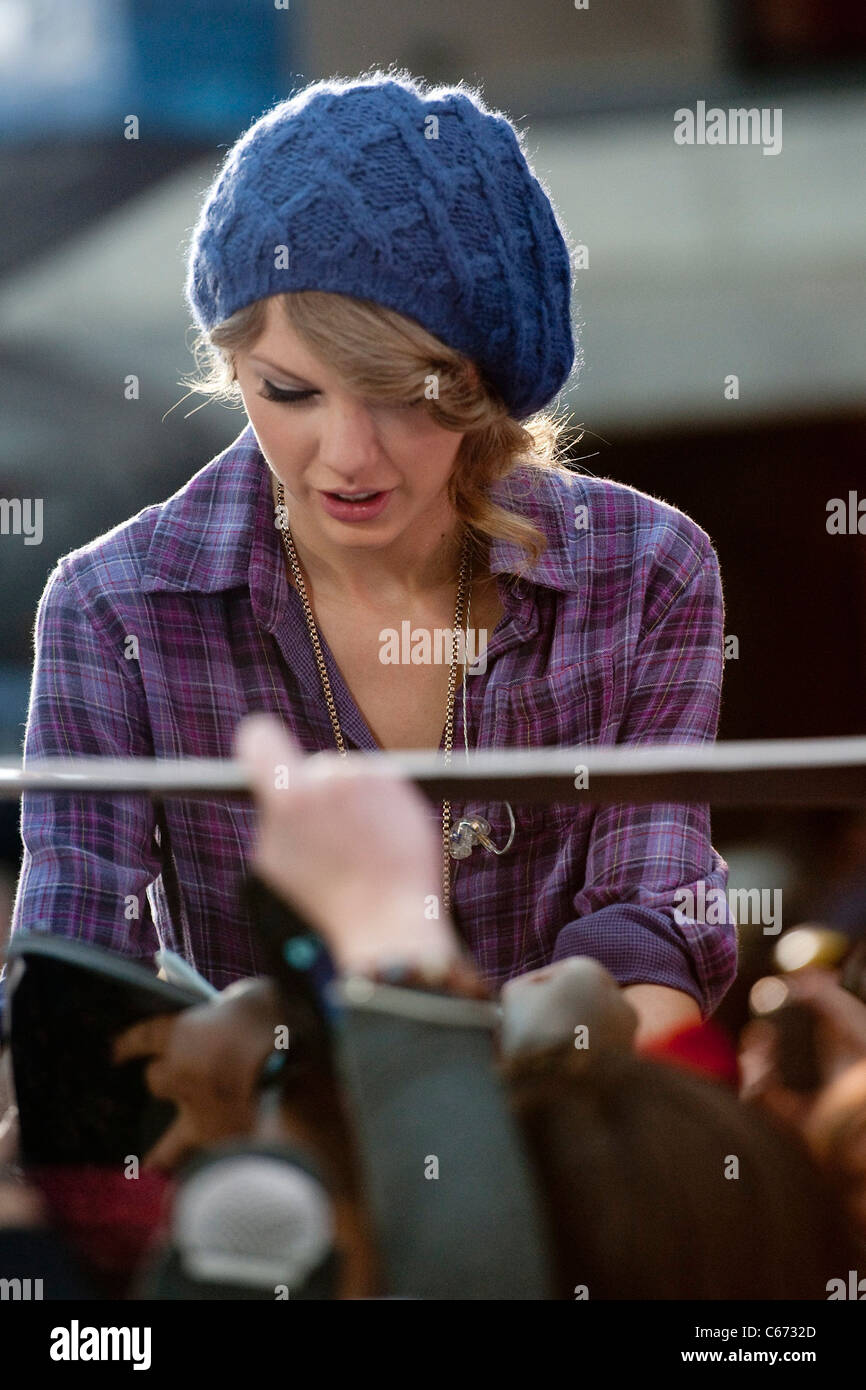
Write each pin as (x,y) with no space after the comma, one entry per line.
(288,397)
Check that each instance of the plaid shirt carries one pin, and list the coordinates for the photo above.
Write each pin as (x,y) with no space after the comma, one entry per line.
(155,639)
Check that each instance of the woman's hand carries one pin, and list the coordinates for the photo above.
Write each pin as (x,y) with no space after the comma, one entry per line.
(840,1043)
(841,1018)
(353,850)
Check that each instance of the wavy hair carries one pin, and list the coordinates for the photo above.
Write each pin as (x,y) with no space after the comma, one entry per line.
(386,357)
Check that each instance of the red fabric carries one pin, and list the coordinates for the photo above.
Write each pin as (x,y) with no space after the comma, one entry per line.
(107,1220)
(704,1048)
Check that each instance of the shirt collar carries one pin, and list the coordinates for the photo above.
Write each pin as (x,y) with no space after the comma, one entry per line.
(217,532)
(548,501)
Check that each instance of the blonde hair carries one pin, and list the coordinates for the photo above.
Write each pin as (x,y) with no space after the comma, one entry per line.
(386,357)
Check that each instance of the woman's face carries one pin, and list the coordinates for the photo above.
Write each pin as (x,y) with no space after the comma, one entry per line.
(320,440)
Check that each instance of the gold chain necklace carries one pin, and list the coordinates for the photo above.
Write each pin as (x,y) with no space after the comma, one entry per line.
(464,584)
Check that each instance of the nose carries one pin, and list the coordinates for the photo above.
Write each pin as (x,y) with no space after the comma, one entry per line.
(349,447)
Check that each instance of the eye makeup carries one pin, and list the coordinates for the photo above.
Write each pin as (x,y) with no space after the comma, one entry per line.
(288,395)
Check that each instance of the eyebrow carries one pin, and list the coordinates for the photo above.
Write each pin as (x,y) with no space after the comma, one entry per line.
(280,370)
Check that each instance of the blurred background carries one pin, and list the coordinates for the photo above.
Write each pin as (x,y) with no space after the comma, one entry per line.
(698,264)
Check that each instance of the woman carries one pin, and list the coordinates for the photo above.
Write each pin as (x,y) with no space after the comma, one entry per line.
(379,276)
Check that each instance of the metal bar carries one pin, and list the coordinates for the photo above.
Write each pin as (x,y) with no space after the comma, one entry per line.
(790,772)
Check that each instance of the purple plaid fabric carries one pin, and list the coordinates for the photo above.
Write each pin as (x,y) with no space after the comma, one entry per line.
(155,640)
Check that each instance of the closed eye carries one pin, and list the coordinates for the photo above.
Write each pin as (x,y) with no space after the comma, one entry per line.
(289,396)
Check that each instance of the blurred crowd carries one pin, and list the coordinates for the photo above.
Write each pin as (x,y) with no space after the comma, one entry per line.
(369,1121)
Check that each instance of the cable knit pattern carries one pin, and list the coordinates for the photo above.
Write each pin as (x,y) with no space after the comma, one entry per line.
(445,223)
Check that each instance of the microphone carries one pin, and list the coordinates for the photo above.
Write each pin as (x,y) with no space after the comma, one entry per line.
(248,1222)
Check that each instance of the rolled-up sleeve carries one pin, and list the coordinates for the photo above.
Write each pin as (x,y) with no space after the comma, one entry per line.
(646,864)
(88,859)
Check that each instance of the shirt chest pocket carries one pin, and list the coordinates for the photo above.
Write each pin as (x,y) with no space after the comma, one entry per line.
(567,708)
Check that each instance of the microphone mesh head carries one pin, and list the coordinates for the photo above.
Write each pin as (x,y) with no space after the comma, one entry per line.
(254,1220)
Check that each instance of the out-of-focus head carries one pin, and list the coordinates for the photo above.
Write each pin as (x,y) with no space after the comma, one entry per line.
(657,1184)
(575,1001)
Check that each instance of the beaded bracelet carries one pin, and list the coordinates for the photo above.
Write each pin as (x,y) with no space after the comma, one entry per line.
(454,976)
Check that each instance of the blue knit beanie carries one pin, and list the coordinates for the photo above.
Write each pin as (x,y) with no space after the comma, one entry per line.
(421,201)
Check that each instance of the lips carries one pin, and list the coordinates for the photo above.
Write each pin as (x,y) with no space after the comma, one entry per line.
(360,506)
(355,496)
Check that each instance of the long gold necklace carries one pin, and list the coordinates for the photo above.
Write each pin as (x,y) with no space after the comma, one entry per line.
(464,585)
